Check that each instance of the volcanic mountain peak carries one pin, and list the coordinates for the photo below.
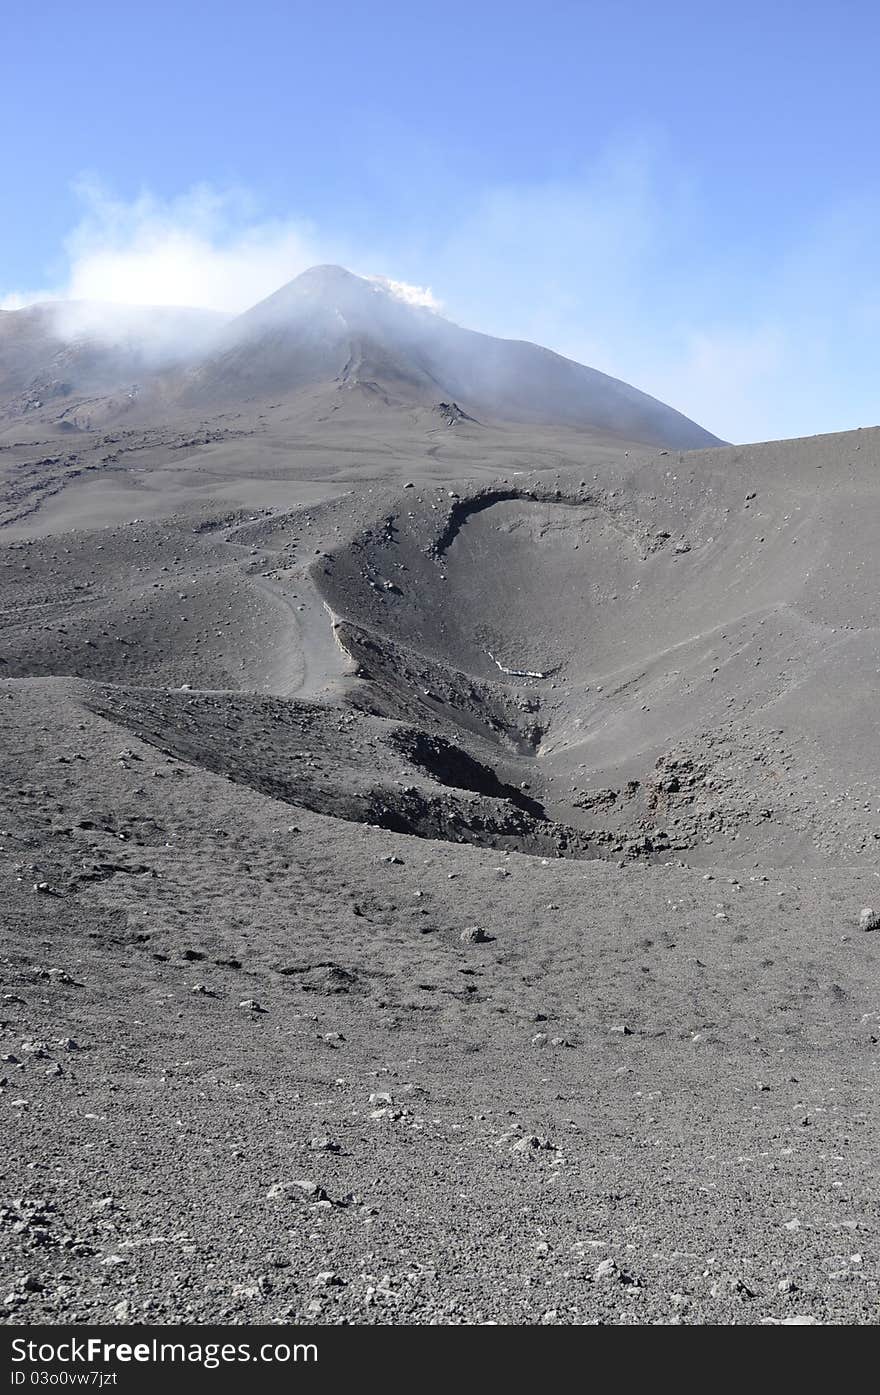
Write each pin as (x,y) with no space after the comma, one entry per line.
(367,304)
(317,326)
(328,328)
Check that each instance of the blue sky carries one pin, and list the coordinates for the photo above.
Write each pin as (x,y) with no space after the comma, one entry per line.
(685,195)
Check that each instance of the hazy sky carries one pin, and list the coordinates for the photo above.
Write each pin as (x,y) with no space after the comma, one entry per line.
(685,195)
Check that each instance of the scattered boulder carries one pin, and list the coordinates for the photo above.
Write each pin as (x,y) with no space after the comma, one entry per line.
(296,1190)
(729,1285)
(608,1270)
(533,1143)
(474,935)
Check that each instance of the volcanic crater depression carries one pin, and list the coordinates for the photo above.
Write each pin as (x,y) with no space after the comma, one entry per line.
(630,660)
(473,623)
(484,617)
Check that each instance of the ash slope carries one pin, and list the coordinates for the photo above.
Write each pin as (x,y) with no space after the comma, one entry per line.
(647,1091)
(327,329)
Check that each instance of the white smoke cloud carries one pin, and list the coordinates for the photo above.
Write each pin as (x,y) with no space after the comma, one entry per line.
(420,296)
(204,249)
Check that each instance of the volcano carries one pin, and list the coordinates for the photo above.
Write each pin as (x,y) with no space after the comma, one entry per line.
(327,330)
(330,326)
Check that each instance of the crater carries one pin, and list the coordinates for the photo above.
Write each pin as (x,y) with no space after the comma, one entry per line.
(531,669)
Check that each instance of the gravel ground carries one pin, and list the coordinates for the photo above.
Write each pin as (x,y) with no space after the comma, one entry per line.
(301,1018)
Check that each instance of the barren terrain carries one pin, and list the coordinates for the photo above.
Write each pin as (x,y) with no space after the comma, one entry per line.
(434,856)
